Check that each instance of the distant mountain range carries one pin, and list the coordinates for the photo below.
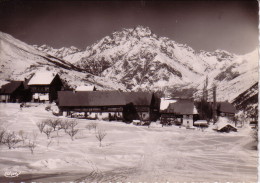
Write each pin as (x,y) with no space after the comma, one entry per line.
(134,59)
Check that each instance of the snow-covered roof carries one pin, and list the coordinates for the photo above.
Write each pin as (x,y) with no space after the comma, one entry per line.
(165,103)
(222,122)
(200,122)
(85,88)
(42,78)
(183,106)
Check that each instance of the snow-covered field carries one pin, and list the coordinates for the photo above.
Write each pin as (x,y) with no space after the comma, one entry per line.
(128,154)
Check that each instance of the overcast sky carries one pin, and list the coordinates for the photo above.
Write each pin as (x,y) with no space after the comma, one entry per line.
(203,25)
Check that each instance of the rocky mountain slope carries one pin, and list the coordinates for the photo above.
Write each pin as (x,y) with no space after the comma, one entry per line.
(248,101)
(141,60)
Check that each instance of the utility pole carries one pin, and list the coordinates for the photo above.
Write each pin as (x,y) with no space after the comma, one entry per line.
(214,104)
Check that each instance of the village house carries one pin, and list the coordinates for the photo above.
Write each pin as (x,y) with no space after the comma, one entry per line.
(12,92)
(225,109)
(44,86)
(109,105)
(180,112)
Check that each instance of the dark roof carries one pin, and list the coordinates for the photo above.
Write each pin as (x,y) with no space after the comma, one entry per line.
(103,98)
(138,98)
(226,128)
(182,106)
(226,107)
(9,88)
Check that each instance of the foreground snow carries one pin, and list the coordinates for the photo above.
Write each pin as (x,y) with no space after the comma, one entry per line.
(128,153)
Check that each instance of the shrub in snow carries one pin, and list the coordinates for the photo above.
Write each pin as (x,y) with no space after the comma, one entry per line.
(48,108)
(91,126)
(100,135)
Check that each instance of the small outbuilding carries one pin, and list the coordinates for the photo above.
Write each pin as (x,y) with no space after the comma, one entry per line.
(225,127)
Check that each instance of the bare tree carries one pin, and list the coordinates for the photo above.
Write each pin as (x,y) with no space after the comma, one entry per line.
(32,143)
(11,139)
(41,125)
(72,132)
(94,126)
(100,135)
(47,131)
(54,123)
(71,124)
(255,134)
(2,134)
(23,136)
(49,143)
(64,125)
(88,126)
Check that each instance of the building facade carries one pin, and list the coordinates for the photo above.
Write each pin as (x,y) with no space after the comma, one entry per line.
(108,105)
(12,92)
(45,87)
(180,112)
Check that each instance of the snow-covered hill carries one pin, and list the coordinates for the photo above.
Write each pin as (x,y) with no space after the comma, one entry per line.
(141,60)
(19,60)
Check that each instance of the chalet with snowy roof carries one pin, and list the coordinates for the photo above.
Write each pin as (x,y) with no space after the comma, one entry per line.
(111,105)
(45,86)
(225,109)
(12,92)
(86,88)
(180,112)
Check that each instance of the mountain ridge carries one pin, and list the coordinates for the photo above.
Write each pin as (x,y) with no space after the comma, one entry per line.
(135,59)
(141,60)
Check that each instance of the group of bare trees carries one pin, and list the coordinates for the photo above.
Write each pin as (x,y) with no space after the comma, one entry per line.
(50,125)
(12,138)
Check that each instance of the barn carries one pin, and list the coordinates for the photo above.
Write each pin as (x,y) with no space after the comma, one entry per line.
(12,92)
(45,86)
(109,105)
